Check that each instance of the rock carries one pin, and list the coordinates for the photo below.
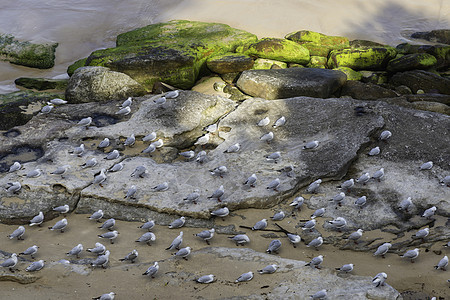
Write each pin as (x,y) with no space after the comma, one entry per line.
(444,99)
(365,91)
(403,90)
(285,83)
(419,79)
(101,84)
(317,62)
(318,44)
(420,61)
(432,106)
(235,93)
(376,77)
(364,43)
(351,75)
(174,52)
(17,108)
(375,58)
(18,277)
(440,52)
(78,64)
(439,36)
(27,54)
(278,49)
(41,83)
(229,63)
(266,64)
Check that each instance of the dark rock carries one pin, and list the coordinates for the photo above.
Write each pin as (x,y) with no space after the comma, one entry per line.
(439,35)
(403,90)
(364,43)
(417,61)
(230,77)
(440,52)
(318,44)
(285,83)
(419,79)
(444,99)
(235,93)
(376,77)
(229,63)
(375,58)
(365,91)
(41,83)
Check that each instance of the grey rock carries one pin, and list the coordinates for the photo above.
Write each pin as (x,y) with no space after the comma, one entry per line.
(366,91)
(422,80)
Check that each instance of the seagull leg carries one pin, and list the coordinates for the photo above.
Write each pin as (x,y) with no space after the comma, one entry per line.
(207,242)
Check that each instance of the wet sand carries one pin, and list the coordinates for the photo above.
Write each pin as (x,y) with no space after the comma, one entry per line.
(126,279)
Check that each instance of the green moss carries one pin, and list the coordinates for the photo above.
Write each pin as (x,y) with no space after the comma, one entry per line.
(265,64)
(317,62)
(351,74)
(78,64)
(279,49)
(318,44)
(362,58)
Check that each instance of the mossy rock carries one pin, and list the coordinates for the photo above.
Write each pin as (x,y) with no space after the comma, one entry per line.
(41,84)
(419,61)
(441,52)
(351,74)
(229,63)
(174,52)
(317,62)
(317,43)
(376,77)
(362,58)
(41,56)
(78,64)
(278,49)
(266,64)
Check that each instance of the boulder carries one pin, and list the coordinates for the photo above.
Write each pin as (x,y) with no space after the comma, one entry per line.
(444,99)
(278,49)
(440,52)
(317,62)
(292,82)
(229,63)
(422,80)
(27,54)
(41,83)
(318,44)
(174,52)
(351,74)
(439,36)
(375,58)
(101,84)
(417,61)
(265,64)
(366,91)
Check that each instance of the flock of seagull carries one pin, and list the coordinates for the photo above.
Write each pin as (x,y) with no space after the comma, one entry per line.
(148,237)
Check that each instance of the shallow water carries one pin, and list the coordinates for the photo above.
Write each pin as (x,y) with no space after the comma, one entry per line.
(79,29)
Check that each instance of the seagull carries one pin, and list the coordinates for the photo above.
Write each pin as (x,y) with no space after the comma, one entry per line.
(149,137)
(339,222)
(60,225)
(356,235)
(193,197)
(289,170)
(97,215)
(124,111)
(131,192)
(251,180)
(111,235)
(15,167)
(98,249)
(183,252)
(127,102)
(442,264)
(274,185)
(63,209)
(383,249)
(78,150)
(76,250)
(221,212)
(101,260)
(161,187)
(14,187)
(267,137)
(446,181)
(149,149)
(363,179)
(279,216)
(130,140)
(117,167)
(263,122)
(297,202)
(177,223)
(61,170)
(322,294)
(152,270)
(385,135)
(309,225)
(37,220)
(205,279)
(47,109)
(172,94)
(316,243)
(90,163)
(35,266)
(10,262)
(157,144)
(203,140)
(218,193)
(260,225)
(269,269)
(405,204)
(346,268)
(85,122)
(339,198)
(148,225)
(245,277)
(34,173)
(280,122)
(274,157)
(176,243)
(233,148)
(274,246)
(240,239)
(429,212)
(108,296)
(219,171)
(206,235)
(411,254)
(379,279)
(311,145)
(58,101)
(30,251)
(294,239)
(147,238)
(318,213)
(188,154)
(18,233)
(348,184)
(314,187)
(374,151)
(140,171)
(378,174)
(201,157)
(361,201)
(422,233)
(315,262)
(100,178)
(427,166)
(108,224)
(160,101)
(211,128)
(113,155)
